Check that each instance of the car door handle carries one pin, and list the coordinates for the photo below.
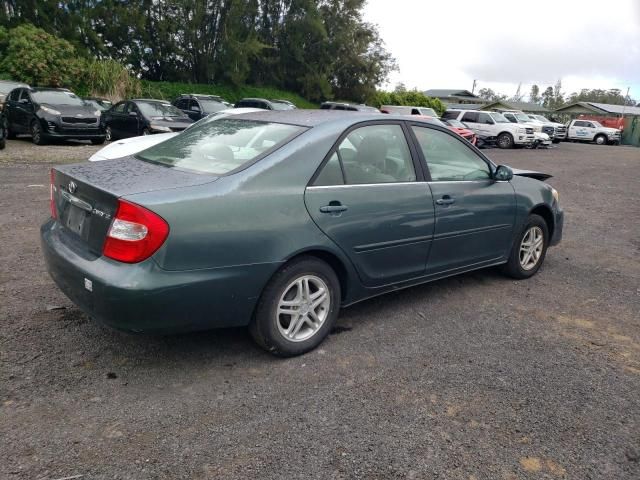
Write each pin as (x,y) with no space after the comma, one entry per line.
(446,200)
(334,208)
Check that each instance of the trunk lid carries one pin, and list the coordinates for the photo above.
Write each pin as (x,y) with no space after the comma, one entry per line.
(86,194)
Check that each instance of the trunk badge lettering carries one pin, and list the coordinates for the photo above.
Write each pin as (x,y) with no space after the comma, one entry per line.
(72,187)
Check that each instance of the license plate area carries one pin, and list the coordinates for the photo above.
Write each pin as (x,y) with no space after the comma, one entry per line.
(75,219)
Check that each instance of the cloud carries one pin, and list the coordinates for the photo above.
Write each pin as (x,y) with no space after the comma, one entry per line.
(587,44)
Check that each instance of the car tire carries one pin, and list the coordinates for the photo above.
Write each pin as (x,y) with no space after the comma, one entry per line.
(601,140)
(297,308)
(98,141)
(108,134)
(533,239)
(36,133)
(146,131)
(8,133)
(505,141)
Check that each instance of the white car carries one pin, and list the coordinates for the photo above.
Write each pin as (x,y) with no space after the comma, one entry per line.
(592,131)
(129,146)
(493,125)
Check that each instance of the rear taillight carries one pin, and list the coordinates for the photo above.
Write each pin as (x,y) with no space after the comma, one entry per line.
(52,194)
(135,233)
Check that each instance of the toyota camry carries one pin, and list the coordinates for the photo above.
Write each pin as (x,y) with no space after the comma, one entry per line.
(276,220)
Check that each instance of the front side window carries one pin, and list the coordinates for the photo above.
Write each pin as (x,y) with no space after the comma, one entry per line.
(376,154)
(221,146)
(485,119)
(119,108)
(448,158)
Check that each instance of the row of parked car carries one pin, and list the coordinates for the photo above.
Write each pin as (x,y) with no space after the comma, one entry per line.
(49,113)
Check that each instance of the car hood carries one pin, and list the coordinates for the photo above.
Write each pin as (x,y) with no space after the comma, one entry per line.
(531,174)
(129,146)
(465,132)
(72,110)
(609,130)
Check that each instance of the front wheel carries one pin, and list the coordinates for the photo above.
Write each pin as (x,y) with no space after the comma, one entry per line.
(36,134)
(297,308)
(108,134)
(505,140)
(601,140)
(529,249)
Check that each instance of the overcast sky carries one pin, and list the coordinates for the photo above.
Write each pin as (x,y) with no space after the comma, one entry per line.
(448,44)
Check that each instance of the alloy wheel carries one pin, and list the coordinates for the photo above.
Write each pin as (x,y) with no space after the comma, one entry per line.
(36,134)
(531,248)
(303,308)
(108,134)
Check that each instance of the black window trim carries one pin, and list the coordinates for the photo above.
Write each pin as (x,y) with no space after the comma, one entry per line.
(417,166)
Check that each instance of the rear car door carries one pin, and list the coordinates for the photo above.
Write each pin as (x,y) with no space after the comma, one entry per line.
(131,121)
(371,199)
(475,214)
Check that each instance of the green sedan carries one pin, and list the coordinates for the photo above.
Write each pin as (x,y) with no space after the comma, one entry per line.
(276,220)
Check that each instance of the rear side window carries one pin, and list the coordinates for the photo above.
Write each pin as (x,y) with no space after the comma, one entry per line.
(376,154)
(450,115)
(221,146)
(470,117)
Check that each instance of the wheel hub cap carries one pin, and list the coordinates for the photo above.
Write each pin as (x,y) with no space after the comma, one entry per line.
(531,248)
(303,308)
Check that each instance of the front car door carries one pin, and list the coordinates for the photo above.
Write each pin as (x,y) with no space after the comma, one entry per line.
(115,120)
(132,121)
(371,199)
(475,214)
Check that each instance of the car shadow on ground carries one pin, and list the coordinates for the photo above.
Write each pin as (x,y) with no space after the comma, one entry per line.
(234,346)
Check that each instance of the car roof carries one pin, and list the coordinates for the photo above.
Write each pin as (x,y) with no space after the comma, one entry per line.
(149,100)
(253,99)
(312,118)
(47,89)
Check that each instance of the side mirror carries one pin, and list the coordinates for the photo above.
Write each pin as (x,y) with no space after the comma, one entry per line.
(503,173)
(133,114)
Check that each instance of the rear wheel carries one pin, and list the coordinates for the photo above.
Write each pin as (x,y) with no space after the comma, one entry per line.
(505,140)
(601,140)
(146,131)
(36,133)
(297,308)
(529,249)
(108,134)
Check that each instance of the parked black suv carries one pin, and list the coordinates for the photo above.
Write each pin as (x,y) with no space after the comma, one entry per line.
(132,118)
(262,103)
(199,106)
(48,113)
(3,131)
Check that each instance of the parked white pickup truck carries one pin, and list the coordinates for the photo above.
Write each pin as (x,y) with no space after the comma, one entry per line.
(493,125)
(543,133)
(560,129)
(592,131)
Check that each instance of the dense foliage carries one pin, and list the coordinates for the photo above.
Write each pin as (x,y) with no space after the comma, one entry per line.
(320,48)
(408,97)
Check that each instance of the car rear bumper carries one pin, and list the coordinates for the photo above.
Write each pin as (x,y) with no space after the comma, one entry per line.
(145,298)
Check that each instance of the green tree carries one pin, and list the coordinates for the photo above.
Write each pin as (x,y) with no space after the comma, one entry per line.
(547,97)
(534,95)
(489,94)
(32,55)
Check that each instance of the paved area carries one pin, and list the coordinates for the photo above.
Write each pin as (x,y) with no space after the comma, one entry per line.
(473,377)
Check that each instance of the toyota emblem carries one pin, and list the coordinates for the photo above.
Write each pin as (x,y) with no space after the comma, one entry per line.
(72,187)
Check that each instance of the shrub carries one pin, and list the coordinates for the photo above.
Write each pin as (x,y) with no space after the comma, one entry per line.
(412,98)
(31,55)
(110,79)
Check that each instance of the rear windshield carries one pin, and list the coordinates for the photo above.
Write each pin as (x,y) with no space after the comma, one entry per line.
(57,97)
(221,146)
(212,106)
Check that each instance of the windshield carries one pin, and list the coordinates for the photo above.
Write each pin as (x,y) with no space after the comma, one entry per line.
(596,124)
(281,106)
(456,123)
(429,112)
(522,117)
(437,121)
(221,146)
(541,118)
(498,117)
(157,109)
(57,97)
(211,106)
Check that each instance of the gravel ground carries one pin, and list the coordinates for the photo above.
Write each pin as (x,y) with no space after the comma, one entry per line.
(474,377)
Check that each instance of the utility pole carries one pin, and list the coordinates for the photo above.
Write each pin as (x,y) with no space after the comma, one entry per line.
(473,89)
(624,105)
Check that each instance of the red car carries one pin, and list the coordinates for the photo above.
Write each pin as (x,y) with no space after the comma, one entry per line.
(456,127)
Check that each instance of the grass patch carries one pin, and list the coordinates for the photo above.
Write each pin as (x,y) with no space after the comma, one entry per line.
(170,90)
